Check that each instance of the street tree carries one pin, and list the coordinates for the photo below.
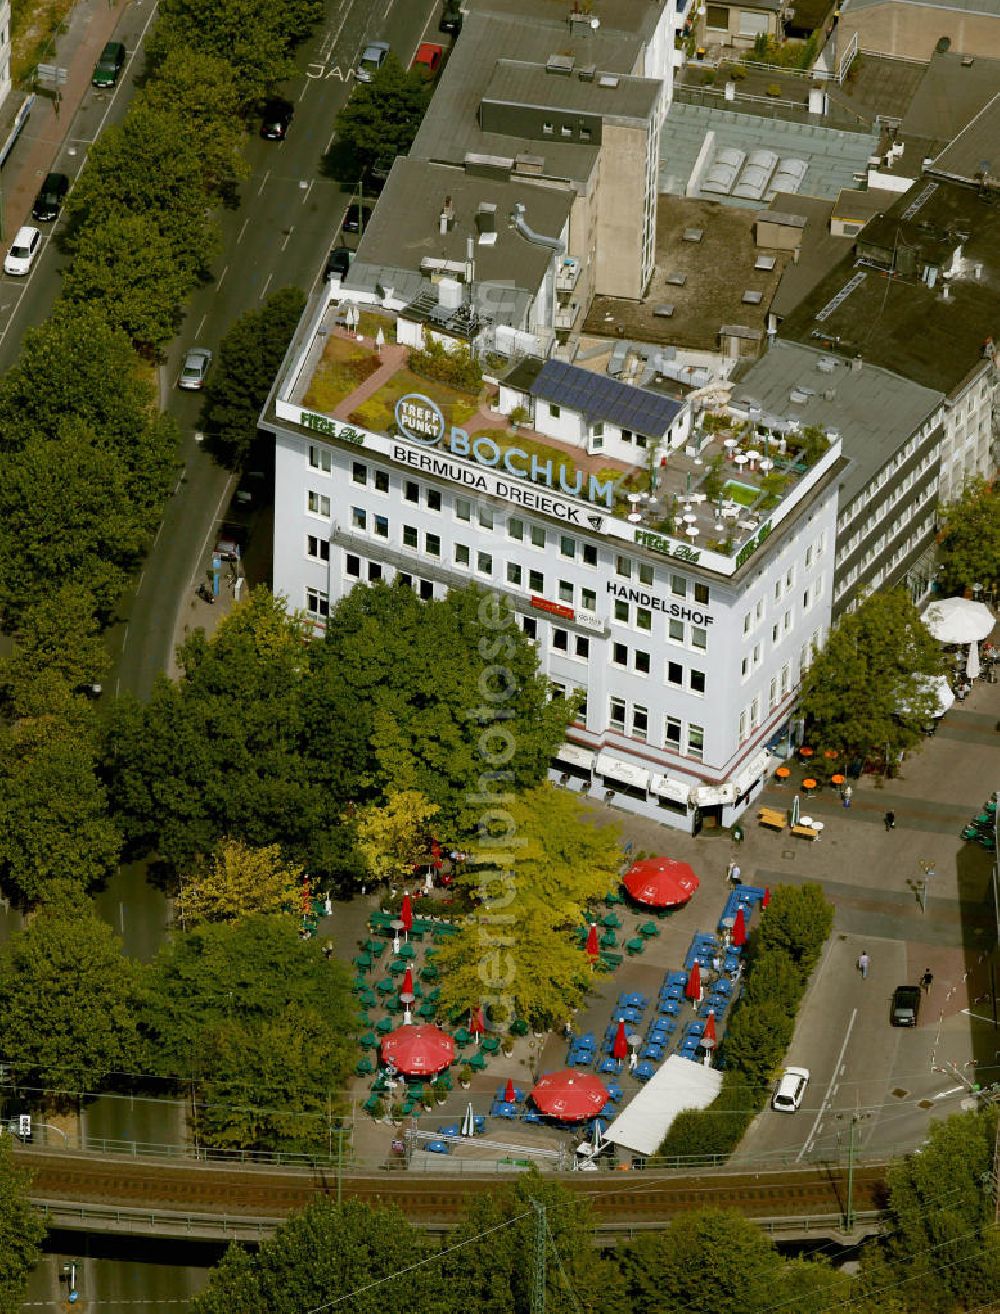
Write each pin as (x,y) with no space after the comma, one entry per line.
(362,1258)
(69,998)
(537,865)
(21,1231)
(969,551)
(54,821)
(713,1259)
(265,1035)
(127,266)
(256,37)
(489,1264)
(799,921)
(238,881)
(57,643)
(940,1249)
(247,361)
(394,836)
(871,688)
(380,120)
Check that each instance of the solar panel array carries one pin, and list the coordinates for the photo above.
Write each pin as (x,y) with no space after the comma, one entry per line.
(601,398)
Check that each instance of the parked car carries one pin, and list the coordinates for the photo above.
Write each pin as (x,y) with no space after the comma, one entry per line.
(789,1091)
(51,195)
(428,59)
(338,262)
(905,1006)
(451,18)
(23,250)
(275,119)
(372,59)
(110,65)
(194,369)
(357,218)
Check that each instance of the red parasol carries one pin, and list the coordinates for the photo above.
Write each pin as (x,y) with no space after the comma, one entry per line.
(660,882)
(592,947)
(509,1093)
(739,936)
(406,914)
(570,1096)
(477,1023)
(619,1049)
(708,1036)
(407,986)
(693,988)
(767,896)
(418,1051)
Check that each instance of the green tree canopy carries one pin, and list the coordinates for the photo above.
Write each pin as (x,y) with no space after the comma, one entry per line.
(54,822)
(56,644)
(238,881)
(537,865)
(969,551)
(255,37)
(380,120)
(868,688)
(68,997)
(262,1022)
(21,1232)
(248,359)
(798,921)
(326,1254)
(712,1259)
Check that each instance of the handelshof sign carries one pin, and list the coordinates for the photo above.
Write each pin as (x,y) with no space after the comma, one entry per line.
(421,420)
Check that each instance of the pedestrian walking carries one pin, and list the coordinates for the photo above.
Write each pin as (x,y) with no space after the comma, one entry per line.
(734,873)
(927,980)
(863,964)
(890,820)
(846,794)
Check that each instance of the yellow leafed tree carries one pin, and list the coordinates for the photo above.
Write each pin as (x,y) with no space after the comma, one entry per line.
(395,835)
(238,881)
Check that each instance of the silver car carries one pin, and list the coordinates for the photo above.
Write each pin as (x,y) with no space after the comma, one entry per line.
(195,367)
(372,60)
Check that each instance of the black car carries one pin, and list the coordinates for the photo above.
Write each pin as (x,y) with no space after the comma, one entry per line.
(50,197)
(338,262)
(275,119)
(905,1006)
(357,218)
(451,18)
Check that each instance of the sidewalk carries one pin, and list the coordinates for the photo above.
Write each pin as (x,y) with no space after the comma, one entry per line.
(90,24)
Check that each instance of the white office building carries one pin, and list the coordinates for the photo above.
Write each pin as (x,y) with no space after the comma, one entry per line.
(683,590)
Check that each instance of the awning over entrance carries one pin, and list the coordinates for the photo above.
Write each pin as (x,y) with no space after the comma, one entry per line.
(749,775)
(574,755)
(678,791)
(624,772)
(710,796)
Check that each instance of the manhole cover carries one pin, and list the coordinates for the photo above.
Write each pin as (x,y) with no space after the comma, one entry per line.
(900,1094)
(788,855)
(925,1104)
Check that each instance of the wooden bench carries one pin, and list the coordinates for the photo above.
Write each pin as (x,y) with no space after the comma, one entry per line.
(805,832)
(772,817)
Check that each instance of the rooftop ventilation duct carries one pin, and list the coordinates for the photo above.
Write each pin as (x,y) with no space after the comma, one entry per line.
(529,234)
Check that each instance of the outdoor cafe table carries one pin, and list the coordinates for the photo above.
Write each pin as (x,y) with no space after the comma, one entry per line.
(386,986)
(462,1037)
(632,1000)
(363,961)
(649,929)
(631,1014)
(669,1007)
(611,919)
(384,1025)
(490,1044)
(427,1011)
(449,1129)
(397,967)
(429,973)
(369,1040)
(477,1062)
(608,1065)
(608,939)
(407,951)
(501,1109)
(635,945)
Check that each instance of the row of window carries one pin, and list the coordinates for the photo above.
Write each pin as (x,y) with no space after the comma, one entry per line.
(883,509)
(863,500)
(678,631)
(633,719)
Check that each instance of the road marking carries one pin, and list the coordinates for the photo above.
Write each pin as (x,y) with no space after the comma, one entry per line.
(267,284)
(306,196)
(243,230)
(201,324)
(222,276)
(329,144)
(288,236)
(978,1016)
(952,1090)
(263,181)
(808,1143)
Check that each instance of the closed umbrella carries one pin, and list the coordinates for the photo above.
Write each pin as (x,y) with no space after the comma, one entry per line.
(796,810)
(767,896)
(739,935)
(708,1038)
(569,1096)
(477,1024)
(593,949)
(406,995)
(619,1049)
(972,667)
(692,989)
(406,914)
(509,1092)
(660,882)
(469,1122)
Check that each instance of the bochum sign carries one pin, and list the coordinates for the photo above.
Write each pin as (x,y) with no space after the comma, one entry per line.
(421,420)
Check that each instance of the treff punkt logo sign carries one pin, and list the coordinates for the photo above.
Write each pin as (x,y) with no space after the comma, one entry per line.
(421,420)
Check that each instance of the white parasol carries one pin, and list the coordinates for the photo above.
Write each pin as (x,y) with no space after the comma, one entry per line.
(958,620)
